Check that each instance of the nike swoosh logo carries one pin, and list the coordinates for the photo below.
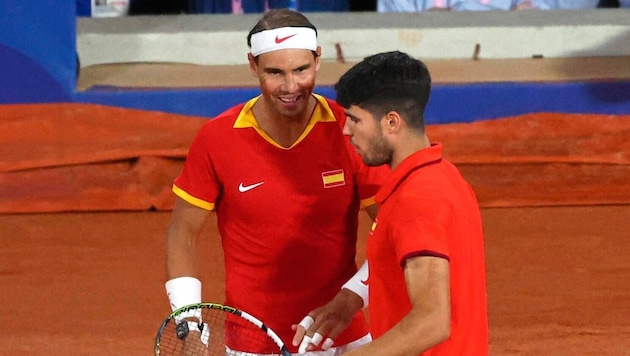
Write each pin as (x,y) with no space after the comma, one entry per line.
(282,39)
(243,188)
(364,282)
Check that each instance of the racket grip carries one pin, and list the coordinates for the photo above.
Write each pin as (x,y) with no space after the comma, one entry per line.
(184,328)
(203,328)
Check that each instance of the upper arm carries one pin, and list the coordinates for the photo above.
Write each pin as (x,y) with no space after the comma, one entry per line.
(428,285)
(187,220)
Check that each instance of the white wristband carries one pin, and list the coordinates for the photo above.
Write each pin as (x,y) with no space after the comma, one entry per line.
(359,283)
(183,291)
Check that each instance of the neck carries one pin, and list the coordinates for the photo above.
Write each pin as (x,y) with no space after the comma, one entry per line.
(284,130)
(408,146)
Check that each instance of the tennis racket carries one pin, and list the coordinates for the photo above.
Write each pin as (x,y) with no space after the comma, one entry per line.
(211,329)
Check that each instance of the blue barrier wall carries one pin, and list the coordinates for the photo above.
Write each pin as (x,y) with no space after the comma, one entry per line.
(37,51)
(448,103)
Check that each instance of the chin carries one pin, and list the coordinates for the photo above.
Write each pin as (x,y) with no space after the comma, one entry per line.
(375,162)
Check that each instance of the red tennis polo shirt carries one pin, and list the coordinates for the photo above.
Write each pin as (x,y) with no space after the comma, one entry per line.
(426,208)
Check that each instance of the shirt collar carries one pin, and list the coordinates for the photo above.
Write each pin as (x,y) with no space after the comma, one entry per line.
(246,119)
(422,158)
(322,113)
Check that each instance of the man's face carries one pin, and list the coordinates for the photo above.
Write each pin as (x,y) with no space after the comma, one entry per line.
(366,135)
(287,79)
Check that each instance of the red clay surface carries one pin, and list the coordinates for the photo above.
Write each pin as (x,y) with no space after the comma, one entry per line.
(82,258)
(92,283)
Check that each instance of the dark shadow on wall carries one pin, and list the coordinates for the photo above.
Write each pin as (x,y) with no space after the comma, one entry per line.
(607,90)
(23,80)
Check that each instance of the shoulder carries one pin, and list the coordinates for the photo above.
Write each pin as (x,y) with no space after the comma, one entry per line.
(230,114)
(222,122)
(337,110)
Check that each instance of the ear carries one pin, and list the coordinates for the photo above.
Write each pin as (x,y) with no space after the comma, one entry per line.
(253,66)
(392,122)
(318,58)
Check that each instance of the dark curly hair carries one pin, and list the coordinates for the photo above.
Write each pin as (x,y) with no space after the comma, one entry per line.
(384,82)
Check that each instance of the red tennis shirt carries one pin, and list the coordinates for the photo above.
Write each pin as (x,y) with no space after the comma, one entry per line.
(427,208)
(287,217)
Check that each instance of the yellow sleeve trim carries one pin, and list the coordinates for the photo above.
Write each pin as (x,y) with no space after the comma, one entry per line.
(368,202)
(192,200)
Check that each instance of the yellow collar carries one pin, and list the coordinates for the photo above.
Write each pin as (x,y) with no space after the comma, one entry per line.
(246,119)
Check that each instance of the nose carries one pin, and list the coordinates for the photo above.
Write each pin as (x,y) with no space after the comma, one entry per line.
(290,83)
(346,128)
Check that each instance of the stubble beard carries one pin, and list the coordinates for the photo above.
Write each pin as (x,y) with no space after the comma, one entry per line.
(381,152)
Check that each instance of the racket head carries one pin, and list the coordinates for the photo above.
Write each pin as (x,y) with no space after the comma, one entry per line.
(223,330)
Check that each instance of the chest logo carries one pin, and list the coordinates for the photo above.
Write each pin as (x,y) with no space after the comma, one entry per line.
(244,188)
(333,178)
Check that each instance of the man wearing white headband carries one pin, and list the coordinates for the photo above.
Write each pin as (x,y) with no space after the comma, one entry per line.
(287,188)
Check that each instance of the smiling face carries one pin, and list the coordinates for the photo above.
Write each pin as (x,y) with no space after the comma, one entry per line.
(287,79)
(366,135)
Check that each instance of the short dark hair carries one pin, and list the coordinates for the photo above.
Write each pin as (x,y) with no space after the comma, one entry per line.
(384,82)
(276,18)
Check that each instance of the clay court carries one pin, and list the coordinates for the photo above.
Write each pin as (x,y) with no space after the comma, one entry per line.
(83,227)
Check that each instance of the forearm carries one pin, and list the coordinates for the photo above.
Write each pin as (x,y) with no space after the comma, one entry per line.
(413,335)
(181,255)
(181,239)
(182,285)
(428,322)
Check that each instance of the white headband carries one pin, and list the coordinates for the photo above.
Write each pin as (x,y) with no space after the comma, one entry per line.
(283,38)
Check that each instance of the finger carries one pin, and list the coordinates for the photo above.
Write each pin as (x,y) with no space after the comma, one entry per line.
(299,334)
(327,344)
(304,344)
(334,331)
(306,323)
(316,339)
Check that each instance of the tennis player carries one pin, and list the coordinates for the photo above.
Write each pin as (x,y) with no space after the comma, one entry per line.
(427,281)
(286,187)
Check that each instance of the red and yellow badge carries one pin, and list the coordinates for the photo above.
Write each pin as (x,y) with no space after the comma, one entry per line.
(333,178)
(373,226)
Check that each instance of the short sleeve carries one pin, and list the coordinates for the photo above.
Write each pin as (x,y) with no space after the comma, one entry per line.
(198,184)
(420,227)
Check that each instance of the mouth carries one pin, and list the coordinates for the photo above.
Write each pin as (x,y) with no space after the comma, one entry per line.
(291,100)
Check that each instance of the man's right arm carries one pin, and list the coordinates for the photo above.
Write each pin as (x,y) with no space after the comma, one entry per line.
(186,223)
(183,287)
(182,258)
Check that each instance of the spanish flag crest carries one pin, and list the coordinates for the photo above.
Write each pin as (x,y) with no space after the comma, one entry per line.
(334,178)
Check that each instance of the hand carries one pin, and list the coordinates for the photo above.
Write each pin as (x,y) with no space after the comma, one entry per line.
(196,340)
(325,323)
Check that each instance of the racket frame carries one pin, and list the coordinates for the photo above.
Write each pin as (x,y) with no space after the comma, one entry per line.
(262,326)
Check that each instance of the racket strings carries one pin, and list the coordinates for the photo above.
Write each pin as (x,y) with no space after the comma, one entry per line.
(225,334)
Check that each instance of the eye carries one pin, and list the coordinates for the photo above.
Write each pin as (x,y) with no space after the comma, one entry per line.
(301,70)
